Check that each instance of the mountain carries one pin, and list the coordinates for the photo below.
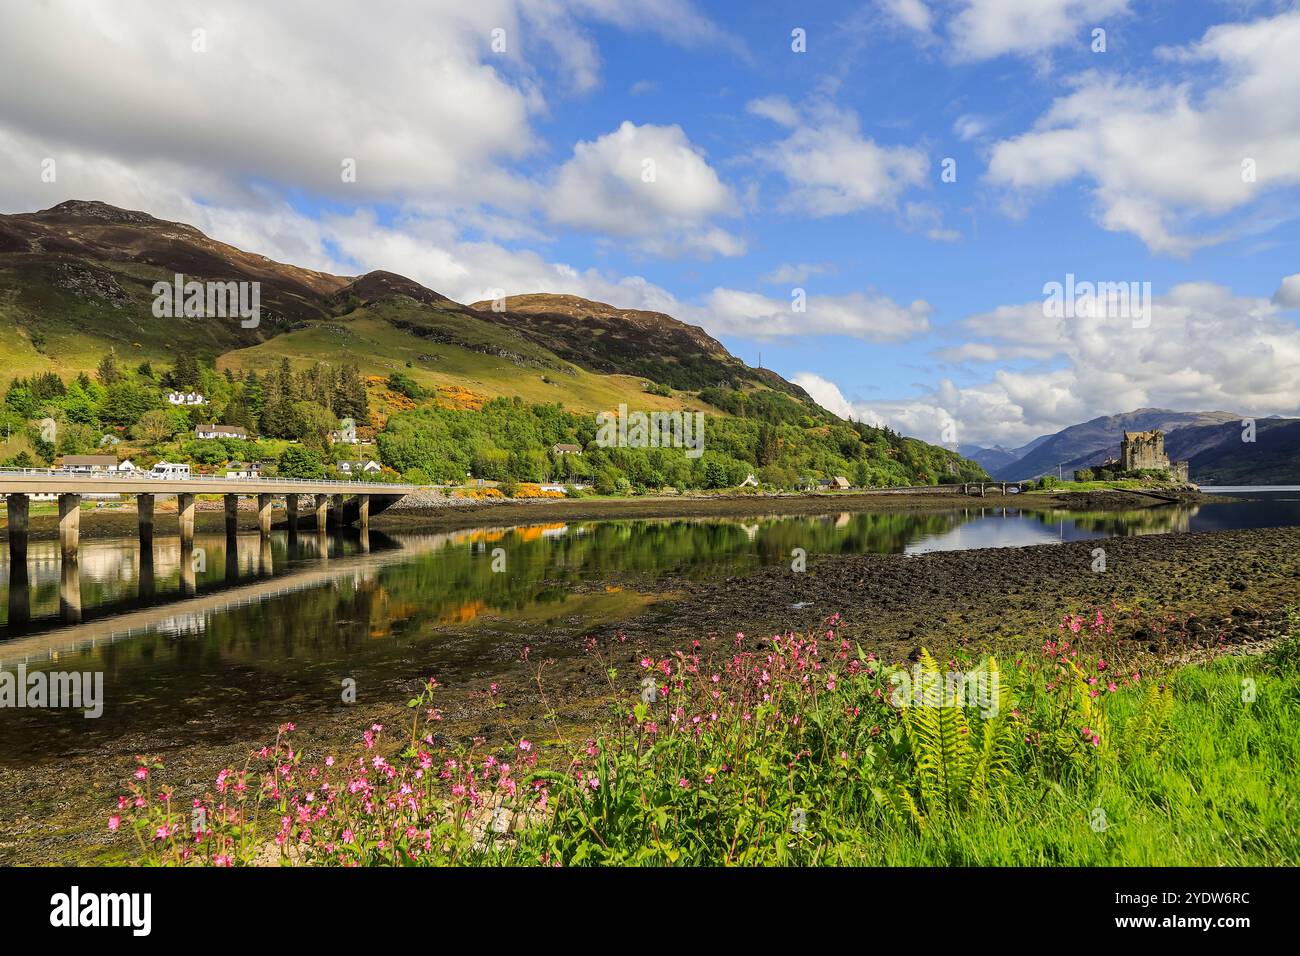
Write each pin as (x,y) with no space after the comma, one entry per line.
(1216,454)
(1094,441)
(990,459)
(77,279)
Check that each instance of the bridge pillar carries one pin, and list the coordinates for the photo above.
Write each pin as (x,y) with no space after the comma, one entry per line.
(981,489)
(18,510)
(69,525)
(264,514)
(185,515)
(322,512)
(291,511)
(336,506)
(144,513)
(363,512)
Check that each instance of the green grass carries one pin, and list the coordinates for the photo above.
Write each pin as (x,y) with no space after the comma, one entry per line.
(380,348)
(795,754)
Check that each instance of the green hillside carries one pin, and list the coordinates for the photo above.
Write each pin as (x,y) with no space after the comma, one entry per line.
(80,346)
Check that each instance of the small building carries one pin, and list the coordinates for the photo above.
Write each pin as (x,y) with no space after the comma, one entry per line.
(368,467)
(90,464)
(749,482)
(1140,451)
(186,398)
(840,482)
(220,431)
(243,469)
(346,434)
(565,449)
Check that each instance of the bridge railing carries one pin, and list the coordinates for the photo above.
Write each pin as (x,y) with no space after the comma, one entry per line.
(110,476)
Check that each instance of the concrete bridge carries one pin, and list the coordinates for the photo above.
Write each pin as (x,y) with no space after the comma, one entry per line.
(337,503)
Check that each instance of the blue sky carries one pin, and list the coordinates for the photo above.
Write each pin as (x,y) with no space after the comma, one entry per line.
(504,148)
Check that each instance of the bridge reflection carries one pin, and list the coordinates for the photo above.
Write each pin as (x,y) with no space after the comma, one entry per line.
(172,573)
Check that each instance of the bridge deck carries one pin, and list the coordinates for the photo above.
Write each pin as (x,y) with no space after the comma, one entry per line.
(59,482)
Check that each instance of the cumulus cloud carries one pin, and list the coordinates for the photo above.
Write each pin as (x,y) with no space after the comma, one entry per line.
(1206,349)
(440,112)
(794,273)
(913,14)
(830,166)
(984,29)
(1161,155)
(871,318)
(1288,293)
(649,183)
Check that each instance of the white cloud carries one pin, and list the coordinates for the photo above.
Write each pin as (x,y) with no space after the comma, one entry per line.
(825,393)
(795,273)
(1161,156)
(984,29)
(1206,349)
(968,127)
(649,183)
(831,167)
(913,14)
(871,318)
(1288,293)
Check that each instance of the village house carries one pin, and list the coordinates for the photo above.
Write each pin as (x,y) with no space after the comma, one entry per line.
(346,434)
(243,469)
(186,398)
(91,464)
(351,468)
(219,431)
(563,449)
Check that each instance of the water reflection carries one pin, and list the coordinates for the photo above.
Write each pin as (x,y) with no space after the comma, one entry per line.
(231,633)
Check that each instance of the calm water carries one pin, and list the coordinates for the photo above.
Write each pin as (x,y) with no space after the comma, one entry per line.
(208,644)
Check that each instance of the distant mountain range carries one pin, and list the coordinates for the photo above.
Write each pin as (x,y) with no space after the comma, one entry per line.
(1210,441)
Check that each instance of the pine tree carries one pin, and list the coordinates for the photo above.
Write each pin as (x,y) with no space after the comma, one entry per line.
(108,373)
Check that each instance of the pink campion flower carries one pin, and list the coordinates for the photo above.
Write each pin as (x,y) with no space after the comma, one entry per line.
(141,773)
(525,746)
(1111,687)
(114,822)
(329,761)
(1101,665)
(684,783)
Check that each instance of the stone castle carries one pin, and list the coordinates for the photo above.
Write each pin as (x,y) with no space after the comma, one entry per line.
(1140,450)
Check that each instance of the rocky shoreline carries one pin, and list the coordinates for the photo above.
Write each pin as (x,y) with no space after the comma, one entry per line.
(1165,597)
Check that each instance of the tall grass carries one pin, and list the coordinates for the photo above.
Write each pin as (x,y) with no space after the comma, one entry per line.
(803,753)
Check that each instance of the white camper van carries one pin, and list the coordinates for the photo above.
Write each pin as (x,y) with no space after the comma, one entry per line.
(165,469)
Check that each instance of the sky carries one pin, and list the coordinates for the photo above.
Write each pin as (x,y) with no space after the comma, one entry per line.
(871,198)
